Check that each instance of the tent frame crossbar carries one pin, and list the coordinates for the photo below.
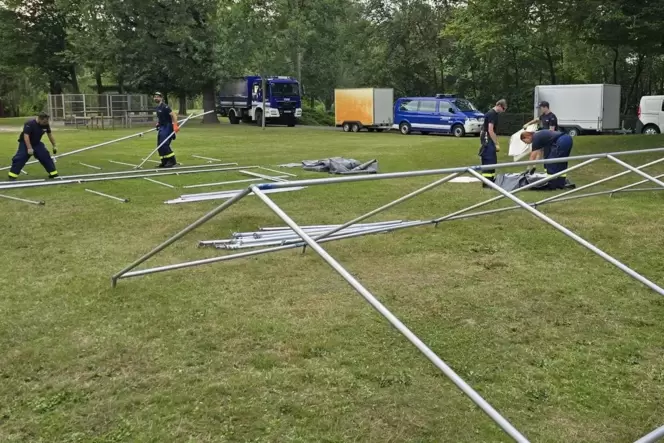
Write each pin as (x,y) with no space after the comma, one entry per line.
(329,235)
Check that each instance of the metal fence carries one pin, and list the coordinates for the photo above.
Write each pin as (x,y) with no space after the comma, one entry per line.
(100,110)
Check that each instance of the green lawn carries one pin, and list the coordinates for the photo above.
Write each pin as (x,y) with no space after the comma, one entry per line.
(278,348)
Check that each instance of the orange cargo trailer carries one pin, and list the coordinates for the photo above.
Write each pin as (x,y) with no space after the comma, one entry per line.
(364,108)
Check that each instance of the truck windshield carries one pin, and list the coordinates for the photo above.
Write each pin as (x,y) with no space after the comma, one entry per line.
(284,89)
(464,105)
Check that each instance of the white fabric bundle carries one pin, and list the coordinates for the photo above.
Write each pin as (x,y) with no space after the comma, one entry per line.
(519,149)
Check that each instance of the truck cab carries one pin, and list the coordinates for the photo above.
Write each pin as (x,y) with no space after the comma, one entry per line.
(242,100)
(444,114)
(651,115)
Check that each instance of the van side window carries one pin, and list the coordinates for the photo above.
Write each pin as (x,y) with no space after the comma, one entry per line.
(428,106)
(409,105)
(445,107)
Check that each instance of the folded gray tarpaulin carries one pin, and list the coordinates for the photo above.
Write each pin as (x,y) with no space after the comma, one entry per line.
(513,181)
(340,165)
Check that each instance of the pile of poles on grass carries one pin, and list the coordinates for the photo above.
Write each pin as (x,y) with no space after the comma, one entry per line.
(137,172)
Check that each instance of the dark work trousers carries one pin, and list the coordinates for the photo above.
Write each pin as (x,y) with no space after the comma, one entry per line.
(562,148)
(22,157)
(489,157)
(165,152)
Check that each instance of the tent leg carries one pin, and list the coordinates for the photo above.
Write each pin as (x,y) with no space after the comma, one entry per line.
(378,306)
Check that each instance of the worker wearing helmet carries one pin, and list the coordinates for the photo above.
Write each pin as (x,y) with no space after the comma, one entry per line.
(552,144)
(167,124)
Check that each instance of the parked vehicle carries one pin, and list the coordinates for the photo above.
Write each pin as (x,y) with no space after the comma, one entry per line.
(651,115)
(363,108)
(582,109)
(444,113)
(242,100)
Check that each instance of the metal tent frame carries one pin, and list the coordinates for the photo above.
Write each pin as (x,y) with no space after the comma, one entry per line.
(314,243)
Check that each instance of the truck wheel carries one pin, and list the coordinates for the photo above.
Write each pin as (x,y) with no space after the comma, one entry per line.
(404,128)
(650,130)
(259,117)
(573,132)
(355,127)
(458,131)
(346,127)
(232,117)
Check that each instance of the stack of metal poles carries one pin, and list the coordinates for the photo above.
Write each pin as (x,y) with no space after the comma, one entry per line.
(276,236)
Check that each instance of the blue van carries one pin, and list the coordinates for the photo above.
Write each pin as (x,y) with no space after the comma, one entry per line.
(444,114)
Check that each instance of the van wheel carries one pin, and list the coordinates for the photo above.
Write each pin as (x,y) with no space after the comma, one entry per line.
(650,130)
(458,131)
(404,128)
(573,132)
(346,127)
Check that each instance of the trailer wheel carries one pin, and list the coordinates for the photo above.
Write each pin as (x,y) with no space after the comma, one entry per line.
(404,128)
(346,127)
(355,127)
(232,117)
(458,131)
(573,132)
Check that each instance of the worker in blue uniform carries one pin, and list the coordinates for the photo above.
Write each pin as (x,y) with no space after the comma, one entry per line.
(554,144)
(489,146)
(167,124)
(29,144)
(546,120)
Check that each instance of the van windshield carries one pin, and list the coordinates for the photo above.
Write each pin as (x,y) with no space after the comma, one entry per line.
(464,105)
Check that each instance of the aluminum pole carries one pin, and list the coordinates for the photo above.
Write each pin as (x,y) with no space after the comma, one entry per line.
(389,205)
(94,179)
(204,185)
(524,188)
(182,233)
(394,321)
(158,182)
(636,170)
(140,165)
(462,169)
(9,197)
(655,435)
(278,172)
(634,184)
(571,234)
(207,158)
(123,200)
(122,163)
(89,166)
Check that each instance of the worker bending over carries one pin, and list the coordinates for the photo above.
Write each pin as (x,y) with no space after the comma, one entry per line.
(167,124)
(552,144)
(489,139)
(546,120)
(29,144)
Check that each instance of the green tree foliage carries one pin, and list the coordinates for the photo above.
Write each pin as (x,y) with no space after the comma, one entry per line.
(482,49)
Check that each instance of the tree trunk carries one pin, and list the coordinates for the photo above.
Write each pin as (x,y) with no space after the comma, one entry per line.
(210,104)
(100,84)
(552,67)
(74,79)
(637,76)
(615,66)
(183,104)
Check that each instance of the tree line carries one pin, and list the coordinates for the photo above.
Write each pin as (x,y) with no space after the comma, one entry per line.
(480,49)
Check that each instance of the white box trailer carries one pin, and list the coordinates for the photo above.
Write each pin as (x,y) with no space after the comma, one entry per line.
(359,108)
(582,108)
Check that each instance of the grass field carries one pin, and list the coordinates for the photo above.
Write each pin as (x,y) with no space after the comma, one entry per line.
(278,348)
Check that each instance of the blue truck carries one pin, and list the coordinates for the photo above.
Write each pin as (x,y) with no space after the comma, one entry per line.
(444,113)
(241,99)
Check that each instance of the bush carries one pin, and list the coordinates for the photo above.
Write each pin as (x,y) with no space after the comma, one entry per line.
(316,117)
